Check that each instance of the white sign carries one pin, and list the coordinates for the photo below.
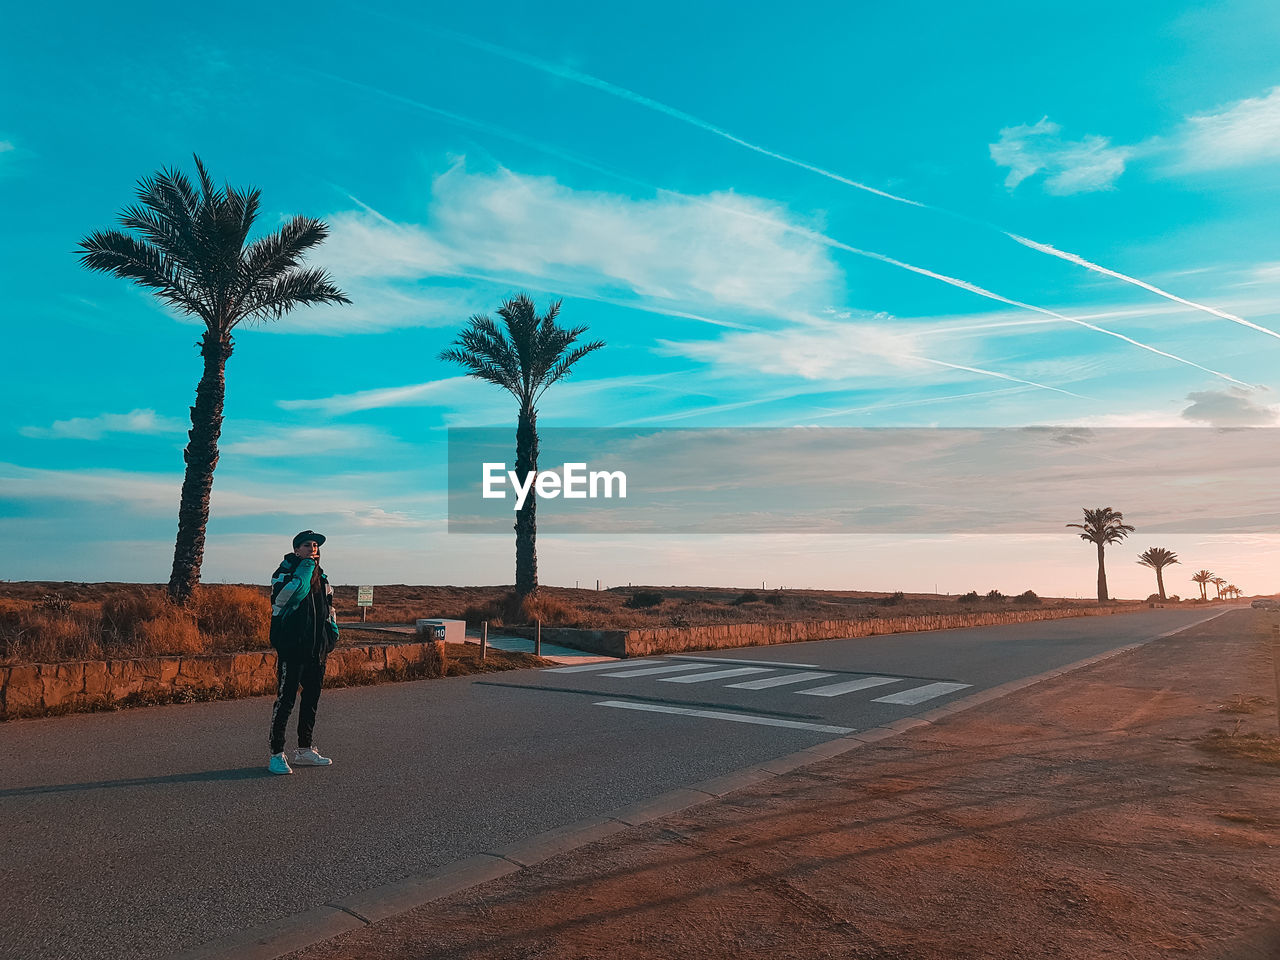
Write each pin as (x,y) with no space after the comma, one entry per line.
(364,596)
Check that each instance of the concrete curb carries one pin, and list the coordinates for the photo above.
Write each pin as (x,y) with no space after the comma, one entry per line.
(281,937)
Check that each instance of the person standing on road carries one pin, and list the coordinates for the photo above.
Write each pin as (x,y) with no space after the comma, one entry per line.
(304,632)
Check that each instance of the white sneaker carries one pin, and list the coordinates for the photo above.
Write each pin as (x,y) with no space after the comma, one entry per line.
(310,756)
(279,763)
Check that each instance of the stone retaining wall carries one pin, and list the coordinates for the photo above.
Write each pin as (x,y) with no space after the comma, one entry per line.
(646,642)
(37,689)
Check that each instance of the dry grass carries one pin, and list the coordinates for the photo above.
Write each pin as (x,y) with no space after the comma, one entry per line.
(677,606)
(1242,704)
(129,620)
(50,622)
(1242,746)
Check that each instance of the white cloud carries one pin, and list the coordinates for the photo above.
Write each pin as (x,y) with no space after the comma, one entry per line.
(1230,408)
(815,350)
(1069,166)
(374,308)
(431,393)
(94,428)
(349,496)
(505,226)
(1244,132)
(287,441)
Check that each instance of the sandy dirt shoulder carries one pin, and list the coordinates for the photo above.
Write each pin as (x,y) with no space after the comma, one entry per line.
(1081,818)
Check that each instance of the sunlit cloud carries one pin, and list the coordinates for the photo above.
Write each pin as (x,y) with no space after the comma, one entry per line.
(95,428)
(1069,166)
(1241,133)
(1230,408)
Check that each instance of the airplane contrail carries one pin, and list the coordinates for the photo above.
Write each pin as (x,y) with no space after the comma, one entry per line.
(1001,376)
(586,79)
(810,234)
(974,288)
(1098,268)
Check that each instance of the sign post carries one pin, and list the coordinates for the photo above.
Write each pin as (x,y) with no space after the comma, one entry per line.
(364,600)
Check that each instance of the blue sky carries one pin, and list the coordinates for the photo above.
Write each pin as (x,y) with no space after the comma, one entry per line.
(687,180)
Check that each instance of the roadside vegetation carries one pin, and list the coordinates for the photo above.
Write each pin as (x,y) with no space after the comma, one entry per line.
(49,622)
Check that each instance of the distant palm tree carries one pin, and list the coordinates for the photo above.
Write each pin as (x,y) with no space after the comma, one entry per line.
(525,358)
(1157,558)
(1101,526)
(188,248)
(1203,577)
(1231,590)
(1219,582)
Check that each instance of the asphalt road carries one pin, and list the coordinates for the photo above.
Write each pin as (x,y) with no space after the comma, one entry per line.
(146,832)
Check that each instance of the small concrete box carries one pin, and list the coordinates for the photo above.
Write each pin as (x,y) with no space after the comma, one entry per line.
(450,631)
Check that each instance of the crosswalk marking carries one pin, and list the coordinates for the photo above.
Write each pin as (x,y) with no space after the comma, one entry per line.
(719,715)
(713,675)
(767,682)
(920,694)
(708,669)
(583,667)
(750,663)
(649,671)
(837,689)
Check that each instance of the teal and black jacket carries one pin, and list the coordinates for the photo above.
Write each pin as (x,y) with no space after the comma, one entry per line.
(303,624)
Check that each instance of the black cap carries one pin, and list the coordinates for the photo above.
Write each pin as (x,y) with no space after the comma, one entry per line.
(306,535)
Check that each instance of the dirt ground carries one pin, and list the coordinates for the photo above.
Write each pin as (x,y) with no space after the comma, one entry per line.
(1092,816)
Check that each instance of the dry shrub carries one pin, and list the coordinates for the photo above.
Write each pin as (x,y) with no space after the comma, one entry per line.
(145,621)
(1242,746)
(543,606)
(30,633)
(174,631)
(232,617)
(478,613)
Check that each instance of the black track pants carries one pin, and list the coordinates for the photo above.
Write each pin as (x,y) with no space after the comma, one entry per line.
(290,674)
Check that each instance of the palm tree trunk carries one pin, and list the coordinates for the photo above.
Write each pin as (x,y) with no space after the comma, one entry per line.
(201,457)
(1160,582)
(527,516)
(1102,577)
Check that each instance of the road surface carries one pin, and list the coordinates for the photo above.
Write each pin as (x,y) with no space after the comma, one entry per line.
(146,832)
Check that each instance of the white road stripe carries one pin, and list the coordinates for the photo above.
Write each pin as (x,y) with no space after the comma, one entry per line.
(921,694)
(836,689)
(717,715)
(768,682)
(647,671)
(754,663)
(713,675)
(595,666)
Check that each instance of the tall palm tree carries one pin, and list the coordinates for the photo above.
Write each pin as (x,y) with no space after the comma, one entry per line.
(1219,582)
(1203,577)
(525,356)
(1157,558)
(1102,526)
(188,246)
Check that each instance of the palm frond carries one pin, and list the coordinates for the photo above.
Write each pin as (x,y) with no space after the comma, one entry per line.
(1103,525)
(282,250)
(526,357)
(482,369)
(484,345)
(564,365)
(277,297)
(117,253)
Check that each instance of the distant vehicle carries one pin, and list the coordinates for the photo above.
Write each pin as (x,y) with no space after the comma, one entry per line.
(1265,603)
